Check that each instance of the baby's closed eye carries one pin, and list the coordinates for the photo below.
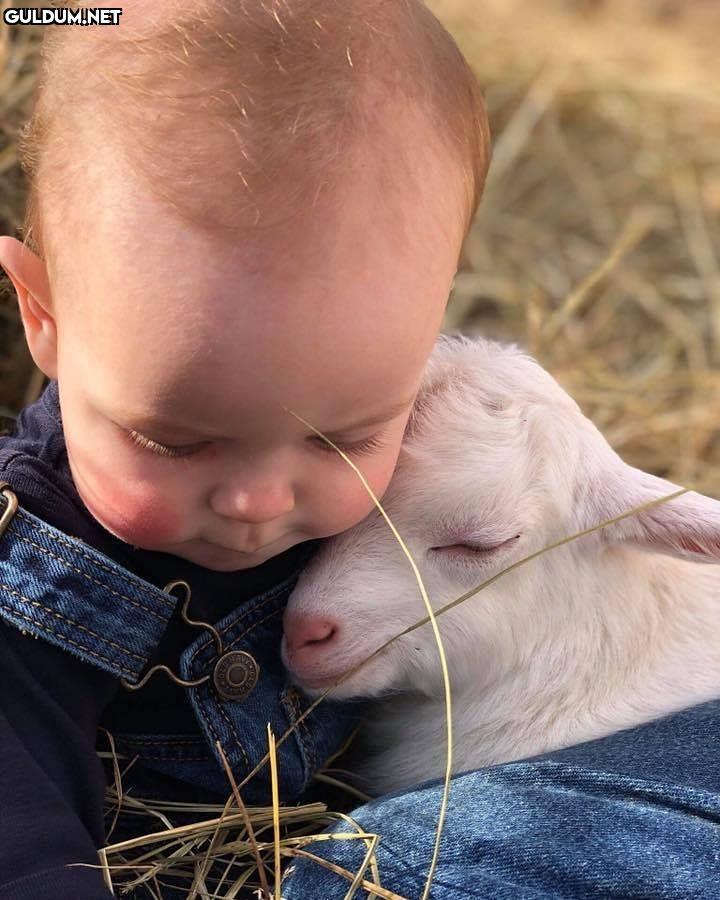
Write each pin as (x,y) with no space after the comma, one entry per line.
(170,451)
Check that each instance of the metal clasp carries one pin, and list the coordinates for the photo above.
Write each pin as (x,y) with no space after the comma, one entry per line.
(11,507)
(169,588)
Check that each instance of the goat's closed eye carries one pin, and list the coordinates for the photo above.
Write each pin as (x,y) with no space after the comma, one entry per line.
(471,550)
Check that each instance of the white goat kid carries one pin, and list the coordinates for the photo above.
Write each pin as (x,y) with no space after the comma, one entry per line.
(611,630)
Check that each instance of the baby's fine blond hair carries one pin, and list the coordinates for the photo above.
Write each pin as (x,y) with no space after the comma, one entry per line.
(238,113)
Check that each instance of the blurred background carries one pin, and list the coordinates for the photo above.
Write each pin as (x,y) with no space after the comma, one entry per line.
(597,245)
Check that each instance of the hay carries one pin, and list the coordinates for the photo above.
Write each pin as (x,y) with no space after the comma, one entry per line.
(223,854)
(605,118)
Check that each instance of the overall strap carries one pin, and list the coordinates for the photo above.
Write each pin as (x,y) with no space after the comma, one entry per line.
(58,588)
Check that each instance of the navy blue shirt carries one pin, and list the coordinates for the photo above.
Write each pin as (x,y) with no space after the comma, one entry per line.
(52,783)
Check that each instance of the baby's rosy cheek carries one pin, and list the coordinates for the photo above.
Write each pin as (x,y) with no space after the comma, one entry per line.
(133,508)
(151,523)
(142,517)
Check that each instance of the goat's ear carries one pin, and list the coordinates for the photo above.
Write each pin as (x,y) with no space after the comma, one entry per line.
(687,526)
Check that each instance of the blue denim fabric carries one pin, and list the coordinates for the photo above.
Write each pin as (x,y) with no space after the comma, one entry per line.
(632,815)
(62,590)
(59,589)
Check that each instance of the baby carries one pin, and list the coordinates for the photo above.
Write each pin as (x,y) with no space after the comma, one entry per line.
(240,217)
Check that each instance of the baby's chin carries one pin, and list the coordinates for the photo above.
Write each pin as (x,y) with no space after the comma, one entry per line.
(220,559)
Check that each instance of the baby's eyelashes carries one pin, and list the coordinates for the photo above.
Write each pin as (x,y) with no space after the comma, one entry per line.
(164,449)
(360,447)
(170,451)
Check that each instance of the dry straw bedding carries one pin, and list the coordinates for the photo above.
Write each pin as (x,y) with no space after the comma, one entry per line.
(597,247)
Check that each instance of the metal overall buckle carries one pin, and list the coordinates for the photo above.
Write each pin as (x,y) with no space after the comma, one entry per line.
(10,507)
(168,589)
(235,673)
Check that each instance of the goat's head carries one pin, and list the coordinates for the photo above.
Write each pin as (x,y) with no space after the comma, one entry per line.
(497,462)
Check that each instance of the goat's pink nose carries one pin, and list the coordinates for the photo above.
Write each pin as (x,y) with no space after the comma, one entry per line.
(303,631)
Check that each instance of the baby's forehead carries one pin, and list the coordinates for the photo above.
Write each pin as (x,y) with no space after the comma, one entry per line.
(178,292)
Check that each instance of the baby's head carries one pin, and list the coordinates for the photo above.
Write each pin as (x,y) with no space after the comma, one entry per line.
(235,210)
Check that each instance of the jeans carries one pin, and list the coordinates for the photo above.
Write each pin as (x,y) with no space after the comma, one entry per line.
(632,815)
(60,590)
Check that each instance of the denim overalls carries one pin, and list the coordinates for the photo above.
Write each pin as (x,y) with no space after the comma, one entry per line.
(63,591)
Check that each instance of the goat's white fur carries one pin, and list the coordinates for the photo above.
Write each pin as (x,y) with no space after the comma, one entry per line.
(609,631)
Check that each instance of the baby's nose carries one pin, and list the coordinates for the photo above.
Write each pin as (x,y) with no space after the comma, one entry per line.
(305,635)
(253,505)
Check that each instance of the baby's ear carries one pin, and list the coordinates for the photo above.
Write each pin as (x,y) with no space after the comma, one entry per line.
(687,526)
(28,274)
